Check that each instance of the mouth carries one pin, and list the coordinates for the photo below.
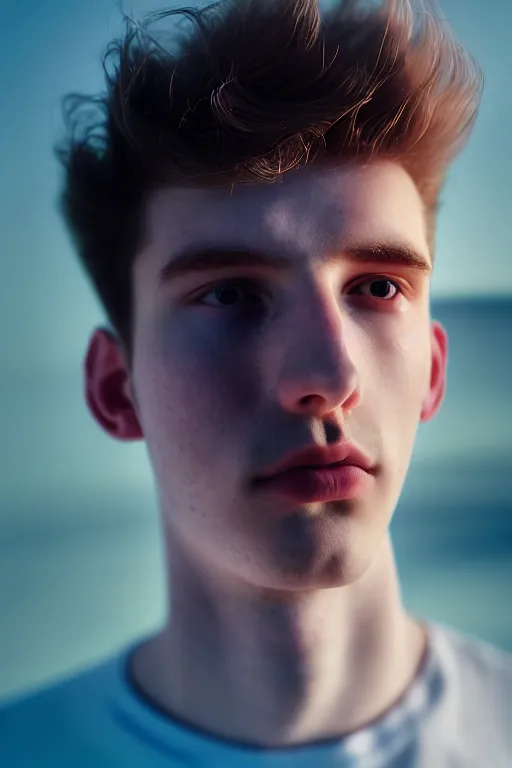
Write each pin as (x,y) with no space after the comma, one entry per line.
(318,483)
(314,457)
(318,466)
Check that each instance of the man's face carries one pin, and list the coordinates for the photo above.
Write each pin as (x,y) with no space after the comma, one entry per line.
(236,366)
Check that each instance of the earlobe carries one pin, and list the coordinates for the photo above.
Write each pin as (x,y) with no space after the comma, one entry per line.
(437,387)
(107,390)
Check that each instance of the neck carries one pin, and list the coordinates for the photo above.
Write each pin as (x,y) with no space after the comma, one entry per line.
(273,669)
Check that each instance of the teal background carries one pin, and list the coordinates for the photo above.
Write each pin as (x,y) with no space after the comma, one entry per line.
(80,560)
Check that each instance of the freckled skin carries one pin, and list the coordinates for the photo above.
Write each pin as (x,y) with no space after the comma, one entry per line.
(222,391)
(290,614)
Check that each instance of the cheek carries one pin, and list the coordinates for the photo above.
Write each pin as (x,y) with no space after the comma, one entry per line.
(407,377)
(199,388)
(215,376)
(393,393)
(412,342)
(399,375)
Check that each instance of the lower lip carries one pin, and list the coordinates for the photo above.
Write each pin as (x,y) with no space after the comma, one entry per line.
(332,483)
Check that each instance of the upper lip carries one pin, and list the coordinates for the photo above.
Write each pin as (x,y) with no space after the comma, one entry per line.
(318,456)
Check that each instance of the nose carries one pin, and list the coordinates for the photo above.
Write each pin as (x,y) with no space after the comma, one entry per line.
(317,375)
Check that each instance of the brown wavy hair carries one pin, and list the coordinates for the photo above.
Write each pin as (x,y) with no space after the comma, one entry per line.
(243,91)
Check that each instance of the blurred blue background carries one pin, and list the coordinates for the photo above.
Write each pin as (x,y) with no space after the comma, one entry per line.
(81,567)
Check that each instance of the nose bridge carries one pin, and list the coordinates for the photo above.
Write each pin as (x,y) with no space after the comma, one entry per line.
(316,361)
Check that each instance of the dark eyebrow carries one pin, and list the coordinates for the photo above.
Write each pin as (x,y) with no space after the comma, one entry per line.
(203,259)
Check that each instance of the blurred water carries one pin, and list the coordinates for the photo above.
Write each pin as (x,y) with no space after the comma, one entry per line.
(81,565)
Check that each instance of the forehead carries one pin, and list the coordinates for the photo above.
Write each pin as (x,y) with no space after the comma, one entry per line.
(309,212)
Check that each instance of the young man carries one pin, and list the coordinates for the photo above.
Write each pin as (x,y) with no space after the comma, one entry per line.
(258,218)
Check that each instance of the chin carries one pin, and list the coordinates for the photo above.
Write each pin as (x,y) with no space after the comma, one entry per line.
(337,570)
(308,553)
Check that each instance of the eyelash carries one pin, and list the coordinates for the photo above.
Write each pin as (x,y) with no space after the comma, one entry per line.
(255,285)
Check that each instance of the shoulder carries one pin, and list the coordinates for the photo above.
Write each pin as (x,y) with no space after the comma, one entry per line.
(82,682)
(55,719)
(478,695)
(482,663)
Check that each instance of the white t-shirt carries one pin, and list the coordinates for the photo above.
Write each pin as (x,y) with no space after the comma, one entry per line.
(456,714)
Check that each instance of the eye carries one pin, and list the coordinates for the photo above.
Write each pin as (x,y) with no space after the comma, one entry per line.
(232,293)
(380,288)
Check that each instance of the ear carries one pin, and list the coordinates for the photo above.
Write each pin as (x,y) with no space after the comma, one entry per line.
(108,390)
(438,370)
